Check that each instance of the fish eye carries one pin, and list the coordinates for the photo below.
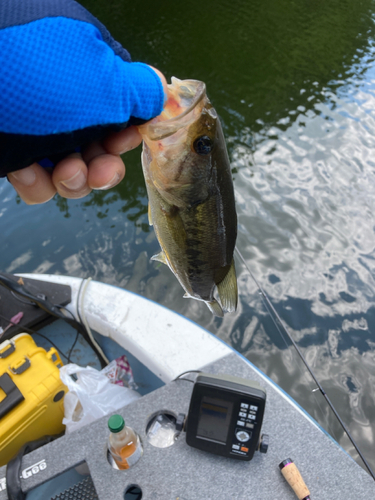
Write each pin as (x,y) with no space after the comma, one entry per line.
(203,145)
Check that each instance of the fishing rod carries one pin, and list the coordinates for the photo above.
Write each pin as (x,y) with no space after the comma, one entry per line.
(271,308)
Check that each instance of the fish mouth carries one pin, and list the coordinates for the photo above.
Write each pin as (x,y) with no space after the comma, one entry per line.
(180,111)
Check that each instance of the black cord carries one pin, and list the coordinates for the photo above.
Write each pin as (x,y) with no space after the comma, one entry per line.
(62,308)
(34,332)
(55,346)
(52,309)
(22,300)
(270,308)
(74,343)
(185,373)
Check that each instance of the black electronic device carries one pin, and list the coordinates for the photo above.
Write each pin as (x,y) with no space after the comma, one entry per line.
(225,416)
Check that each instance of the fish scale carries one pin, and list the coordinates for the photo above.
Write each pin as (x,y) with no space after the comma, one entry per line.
(191,197)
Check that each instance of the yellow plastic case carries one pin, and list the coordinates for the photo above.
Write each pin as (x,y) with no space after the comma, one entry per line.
(31,394)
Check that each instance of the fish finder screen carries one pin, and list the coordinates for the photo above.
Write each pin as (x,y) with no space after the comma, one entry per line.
(214,419)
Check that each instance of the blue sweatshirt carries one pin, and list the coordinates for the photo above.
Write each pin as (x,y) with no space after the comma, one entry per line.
(64,82)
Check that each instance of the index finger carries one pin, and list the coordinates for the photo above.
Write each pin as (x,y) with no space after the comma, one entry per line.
(123,141)
(33,184)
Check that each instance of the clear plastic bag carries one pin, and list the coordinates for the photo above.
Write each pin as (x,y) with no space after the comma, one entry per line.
(91,396)
(119,372)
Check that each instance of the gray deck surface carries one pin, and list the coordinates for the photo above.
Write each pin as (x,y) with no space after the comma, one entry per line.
(184,473)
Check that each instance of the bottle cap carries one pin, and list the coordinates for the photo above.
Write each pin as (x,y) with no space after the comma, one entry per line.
(116,423)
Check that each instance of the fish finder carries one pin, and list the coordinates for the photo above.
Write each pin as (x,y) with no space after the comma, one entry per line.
(225,416)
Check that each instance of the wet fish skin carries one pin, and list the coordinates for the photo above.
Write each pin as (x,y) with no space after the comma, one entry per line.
(191,196)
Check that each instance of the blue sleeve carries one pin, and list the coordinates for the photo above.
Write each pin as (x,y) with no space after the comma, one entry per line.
(64,82)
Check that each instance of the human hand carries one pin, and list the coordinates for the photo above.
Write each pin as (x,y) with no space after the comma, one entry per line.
(98,167)
(67,86)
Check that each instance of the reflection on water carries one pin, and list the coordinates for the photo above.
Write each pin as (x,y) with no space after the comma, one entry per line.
(294,86)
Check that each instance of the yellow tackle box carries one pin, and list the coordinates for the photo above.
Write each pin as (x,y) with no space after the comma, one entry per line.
(31,394)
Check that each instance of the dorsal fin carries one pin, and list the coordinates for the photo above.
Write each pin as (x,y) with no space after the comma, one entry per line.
(227,289)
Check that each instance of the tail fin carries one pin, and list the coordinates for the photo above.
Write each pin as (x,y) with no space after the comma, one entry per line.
(228,291)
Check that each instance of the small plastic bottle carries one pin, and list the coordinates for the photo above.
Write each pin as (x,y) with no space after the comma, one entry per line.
(123,443)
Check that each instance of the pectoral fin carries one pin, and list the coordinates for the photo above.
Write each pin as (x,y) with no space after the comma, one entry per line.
(215,308)
(227,289)
(160,257)
(149,215)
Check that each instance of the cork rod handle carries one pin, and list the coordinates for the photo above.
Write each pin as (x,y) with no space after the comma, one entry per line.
(294,478)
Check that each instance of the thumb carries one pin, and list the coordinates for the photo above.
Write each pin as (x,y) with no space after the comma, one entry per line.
(144,91)
(163,81)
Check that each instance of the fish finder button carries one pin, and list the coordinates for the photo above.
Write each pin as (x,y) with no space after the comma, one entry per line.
(242,436)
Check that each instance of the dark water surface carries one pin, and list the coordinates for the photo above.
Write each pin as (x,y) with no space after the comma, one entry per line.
(294,85)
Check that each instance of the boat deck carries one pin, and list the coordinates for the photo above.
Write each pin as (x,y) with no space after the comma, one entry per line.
(184,473)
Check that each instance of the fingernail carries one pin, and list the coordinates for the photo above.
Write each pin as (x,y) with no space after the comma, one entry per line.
(125,150)
(128,147)
(115,180)
(25,177)
(75,183)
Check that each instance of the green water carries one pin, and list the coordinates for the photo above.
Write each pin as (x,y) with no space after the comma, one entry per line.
(293,83)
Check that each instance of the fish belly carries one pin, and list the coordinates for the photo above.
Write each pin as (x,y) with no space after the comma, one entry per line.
(191,244)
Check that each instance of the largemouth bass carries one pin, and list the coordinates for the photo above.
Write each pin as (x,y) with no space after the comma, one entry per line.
(191,196)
